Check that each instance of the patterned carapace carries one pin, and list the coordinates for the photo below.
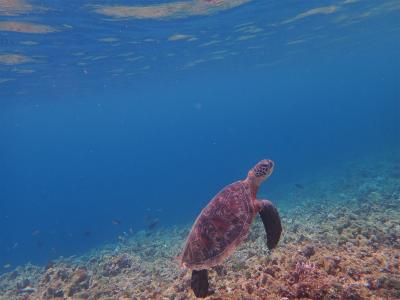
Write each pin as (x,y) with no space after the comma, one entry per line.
(220,228)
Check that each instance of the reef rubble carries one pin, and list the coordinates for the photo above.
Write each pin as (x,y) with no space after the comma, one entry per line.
(341,241)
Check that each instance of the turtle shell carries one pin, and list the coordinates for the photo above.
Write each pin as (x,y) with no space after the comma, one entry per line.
(221,226)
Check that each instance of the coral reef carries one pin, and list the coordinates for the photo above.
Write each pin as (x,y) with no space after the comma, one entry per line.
(341,241)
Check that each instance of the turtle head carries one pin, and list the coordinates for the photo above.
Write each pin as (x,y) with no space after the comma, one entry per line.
(261,171)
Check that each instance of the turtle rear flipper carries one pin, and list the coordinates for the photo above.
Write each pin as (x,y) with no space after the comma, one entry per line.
(272,223)
(199,283)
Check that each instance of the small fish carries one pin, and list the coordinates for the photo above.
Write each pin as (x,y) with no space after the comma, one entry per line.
(153,224)
(35,232)
(116,222)
(87,233)
(6,266)
(299,186)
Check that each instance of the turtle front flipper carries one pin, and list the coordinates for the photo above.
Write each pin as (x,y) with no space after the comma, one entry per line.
(272,223)
(199,283)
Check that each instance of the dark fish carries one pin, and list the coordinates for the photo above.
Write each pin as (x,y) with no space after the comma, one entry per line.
(87,233)
(299,186)
(153,224)
(116,222)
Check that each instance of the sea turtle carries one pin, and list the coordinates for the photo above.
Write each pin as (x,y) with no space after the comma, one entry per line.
(225,222)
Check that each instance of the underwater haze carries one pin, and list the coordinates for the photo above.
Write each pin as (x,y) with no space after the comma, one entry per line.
(121,117)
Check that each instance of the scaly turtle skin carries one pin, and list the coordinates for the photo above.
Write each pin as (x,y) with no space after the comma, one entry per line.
(225,222)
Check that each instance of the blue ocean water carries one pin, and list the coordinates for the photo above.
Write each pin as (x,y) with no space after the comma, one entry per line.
(112,121)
